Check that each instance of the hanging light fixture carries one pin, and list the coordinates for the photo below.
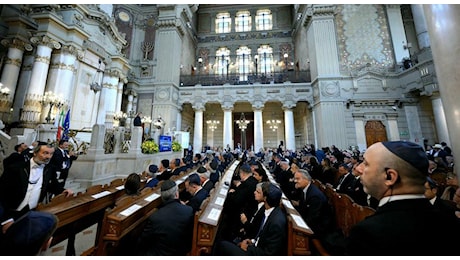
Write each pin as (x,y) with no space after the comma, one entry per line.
(95,85)
(212,123)
(242,122)
(273,123)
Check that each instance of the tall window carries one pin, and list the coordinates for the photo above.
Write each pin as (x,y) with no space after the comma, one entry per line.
(243,21)
(243,56)
(222,61)
(265,53)
(223,23)
(264,20)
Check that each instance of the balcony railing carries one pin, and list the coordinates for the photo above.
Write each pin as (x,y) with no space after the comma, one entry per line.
(236,79)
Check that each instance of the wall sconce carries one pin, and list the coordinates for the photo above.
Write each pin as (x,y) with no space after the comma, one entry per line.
(120,118)
(95,85)
(4,91)
(51,99)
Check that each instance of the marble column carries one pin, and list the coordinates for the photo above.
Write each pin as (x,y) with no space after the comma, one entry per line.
(393,129)
(129,107)
(439,120)
(32,105)
(119,95)
(198,129)
(107,101)
(415,129)
(228,127)
(398,34)
(23,85)
(361,142)
(289,128)
(258,128)
(443,22)
(10,74)
(420,26)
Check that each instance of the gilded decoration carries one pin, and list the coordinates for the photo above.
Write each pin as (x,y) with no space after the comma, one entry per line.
(363,37)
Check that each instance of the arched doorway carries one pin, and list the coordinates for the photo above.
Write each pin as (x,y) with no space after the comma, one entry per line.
(375,132)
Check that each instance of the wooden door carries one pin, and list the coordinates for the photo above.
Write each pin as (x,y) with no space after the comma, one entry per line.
(375,132)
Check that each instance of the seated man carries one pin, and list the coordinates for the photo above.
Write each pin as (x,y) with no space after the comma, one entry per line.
(168,230)
(152,180)
(272,235)
(193,186)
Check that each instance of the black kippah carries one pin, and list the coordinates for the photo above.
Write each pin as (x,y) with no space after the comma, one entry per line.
(167,184)
(409,152)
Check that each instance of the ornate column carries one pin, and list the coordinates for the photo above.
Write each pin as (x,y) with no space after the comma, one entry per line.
(11,70)
(32,106)
(258,128)
(129,107)
(289,127)
(443,22)
(119,95)
(198,128)
(228,126)
(108,98)
(23,85)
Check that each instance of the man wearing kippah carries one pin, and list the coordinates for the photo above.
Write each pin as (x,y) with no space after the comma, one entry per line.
(168,230)
(405,222)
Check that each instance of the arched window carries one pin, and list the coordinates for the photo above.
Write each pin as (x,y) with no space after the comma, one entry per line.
(264,20)
(243,55)
(222,61)
(243,21)
(265,64)
(223,23)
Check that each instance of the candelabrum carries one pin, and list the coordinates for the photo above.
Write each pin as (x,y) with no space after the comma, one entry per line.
(119,118)
(51,99)
(4,93)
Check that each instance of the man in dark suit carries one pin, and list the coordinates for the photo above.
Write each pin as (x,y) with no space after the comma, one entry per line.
(346,180)
(312,204)
(17,156)
(272,235)
(206,183)
(62,161)
(168,230)
(395,173)
(193,186)
(165,172)
(24,185)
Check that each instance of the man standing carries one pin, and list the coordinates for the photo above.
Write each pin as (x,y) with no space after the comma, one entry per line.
(137,120)
(395,173)
(168,230)
(62,161)
(24,185)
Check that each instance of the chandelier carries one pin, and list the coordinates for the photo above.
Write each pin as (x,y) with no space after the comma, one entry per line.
(242,122)
(212,123)
(273,123)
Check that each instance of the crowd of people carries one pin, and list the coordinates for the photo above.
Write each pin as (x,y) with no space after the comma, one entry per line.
(412,188)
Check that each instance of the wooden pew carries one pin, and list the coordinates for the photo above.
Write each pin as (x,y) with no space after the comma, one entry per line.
(299,233)
(122,223)
(206,223)
(77,213)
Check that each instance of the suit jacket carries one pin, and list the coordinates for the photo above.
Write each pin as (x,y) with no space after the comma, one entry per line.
(242,199)
(315,210)
(251,227)
(209,185)
(14,158)
(168,231)
(58,160)
(404,227)
(273,237)
(165,175)
(14,183)
(347,184)
(196,200)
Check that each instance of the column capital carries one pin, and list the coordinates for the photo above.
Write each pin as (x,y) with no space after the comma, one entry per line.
(46,41)
(17,44)
(198,107)
(288,106)
(258,106)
